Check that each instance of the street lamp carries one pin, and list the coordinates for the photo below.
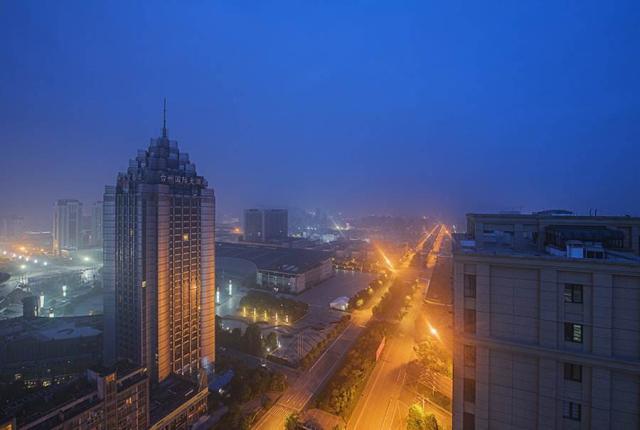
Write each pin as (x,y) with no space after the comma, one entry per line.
(433,331)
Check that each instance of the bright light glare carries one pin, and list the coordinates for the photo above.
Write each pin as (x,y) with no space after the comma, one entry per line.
(85,258)
(386,260)
(433,331)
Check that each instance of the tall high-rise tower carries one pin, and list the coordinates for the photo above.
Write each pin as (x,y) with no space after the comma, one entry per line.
(159,264)
(67,223)
(266,225)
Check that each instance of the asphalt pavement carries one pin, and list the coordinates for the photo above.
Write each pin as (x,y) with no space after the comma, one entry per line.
(384,402)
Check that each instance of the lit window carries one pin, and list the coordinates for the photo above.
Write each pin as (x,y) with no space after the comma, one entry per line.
(185,236)
(573,332)
(573,293)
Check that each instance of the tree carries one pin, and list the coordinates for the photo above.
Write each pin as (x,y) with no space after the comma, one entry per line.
(419,420)
(292,422)
(272,341)
(432,423)
(253,340)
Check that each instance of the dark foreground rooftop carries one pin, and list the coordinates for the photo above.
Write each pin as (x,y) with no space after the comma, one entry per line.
(169,395)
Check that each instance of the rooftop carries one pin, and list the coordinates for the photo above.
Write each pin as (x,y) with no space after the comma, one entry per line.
(467,246)
(41,402)
(169,395)
(46,329)
(73,397)
(556,214)
(273,258)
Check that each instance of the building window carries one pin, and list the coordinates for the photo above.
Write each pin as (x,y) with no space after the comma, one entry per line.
(469,285)
(573,332)
(573,293)
(470,321)
(573,372)
(470,355)
(572,410)
(469,393)
(468,421)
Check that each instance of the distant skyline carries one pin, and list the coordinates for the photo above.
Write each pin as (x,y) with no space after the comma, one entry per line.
(387,108)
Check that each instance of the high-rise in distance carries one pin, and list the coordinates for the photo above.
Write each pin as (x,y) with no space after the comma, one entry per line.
(266,225)
(67,224)
(159,264)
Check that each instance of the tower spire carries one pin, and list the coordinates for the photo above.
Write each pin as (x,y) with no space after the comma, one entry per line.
(164,119)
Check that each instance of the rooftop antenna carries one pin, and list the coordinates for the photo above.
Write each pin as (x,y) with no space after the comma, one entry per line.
(164,119)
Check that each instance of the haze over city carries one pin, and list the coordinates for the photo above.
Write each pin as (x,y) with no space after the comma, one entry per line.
(384,107)
(319,215)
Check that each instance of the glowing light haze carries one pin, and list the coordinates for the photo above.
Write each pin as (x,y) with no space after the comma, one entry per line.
(386,107)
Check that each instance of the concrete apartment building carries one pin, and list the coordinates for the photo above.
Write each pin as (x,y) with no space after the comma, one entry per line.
(547,313)
(106,399)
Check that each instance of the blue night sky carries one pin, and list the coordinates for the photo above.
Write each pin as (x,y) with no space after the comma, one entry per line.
(363,106)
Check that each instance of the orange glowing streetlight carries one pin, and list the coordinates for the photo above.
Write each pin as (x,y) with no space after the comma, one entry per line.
(386,259)
(433,331)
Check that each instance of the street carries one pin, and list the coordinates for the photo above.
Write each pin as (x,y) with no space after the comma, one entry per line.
(384,404)
(298,395)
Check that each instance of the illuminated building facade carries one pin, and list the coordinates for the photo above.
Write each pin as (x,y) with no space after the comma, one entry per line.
(159,264)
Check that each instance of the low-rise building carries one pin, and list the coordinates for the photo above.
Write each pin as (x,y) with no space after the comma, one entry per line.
(41,351)
(177,403)
(118,398)
(104,399)
(288,270)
